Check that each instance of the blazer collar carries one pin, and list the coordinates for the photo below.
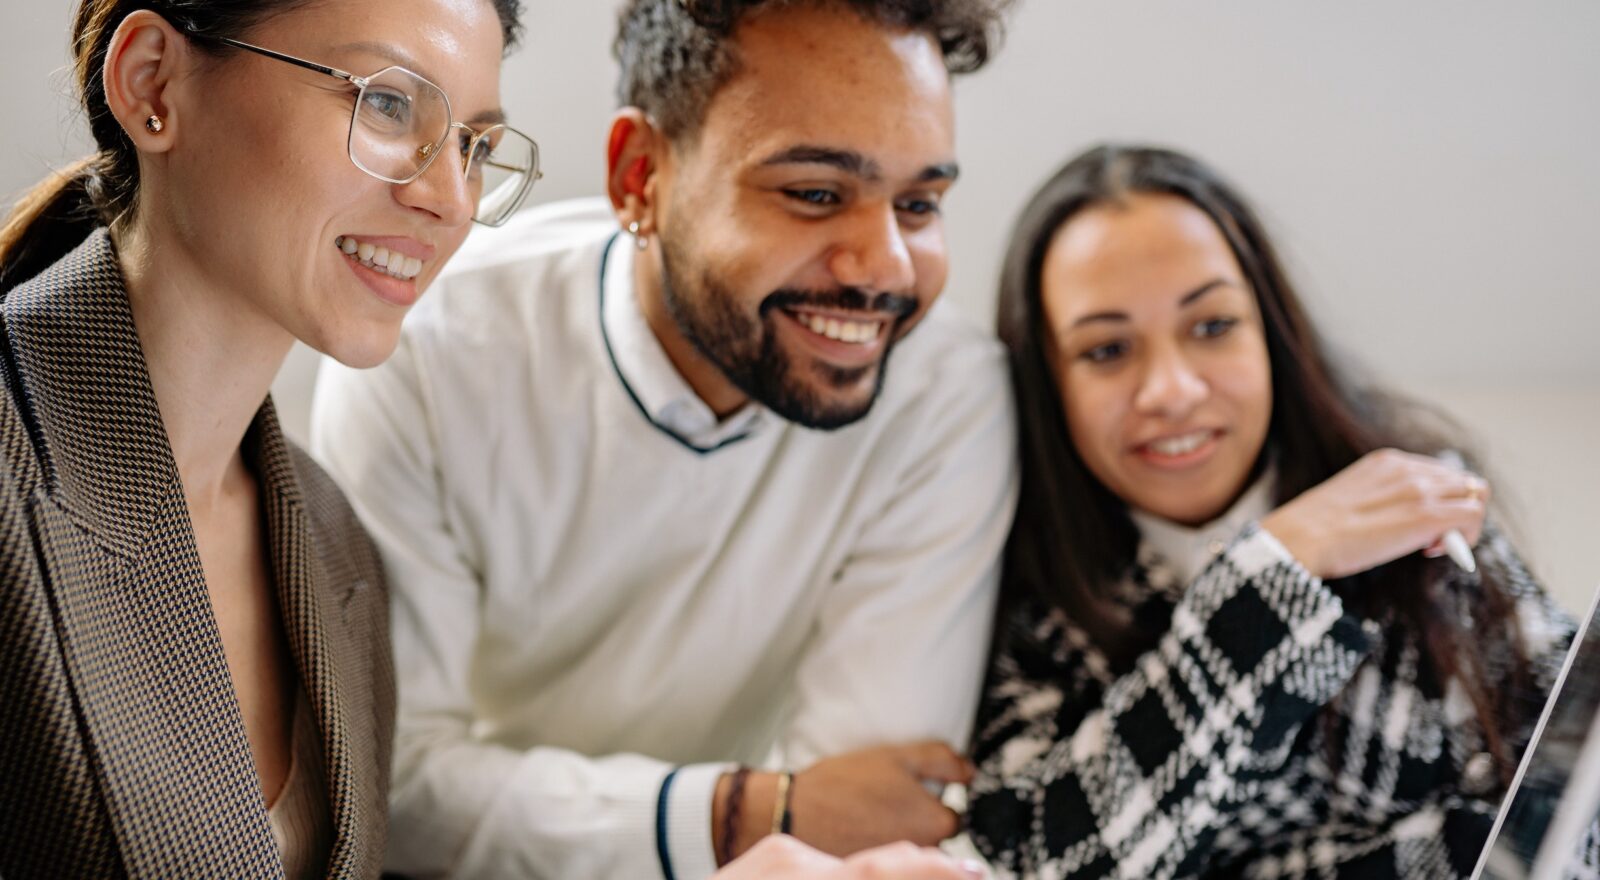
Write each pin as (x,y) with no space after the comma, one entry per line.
(308,607)
(98,431)
(108,465)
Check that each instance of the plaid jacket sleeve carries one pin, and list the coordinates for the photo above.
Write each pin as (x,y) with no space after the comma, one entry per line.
(1444,836)
(1442,839)
(1085,775)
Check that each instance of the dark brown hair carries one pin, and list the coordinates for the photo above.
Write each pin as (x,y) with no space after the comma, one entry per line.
(675,54)
(1073,537)
(58,213)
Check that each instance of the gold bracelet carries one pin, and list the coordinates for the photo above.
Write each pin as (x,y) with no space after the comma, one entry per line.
(780,805)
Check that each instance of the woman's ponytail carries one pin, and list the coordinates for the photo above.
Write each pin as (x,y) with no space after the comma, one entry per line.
(59,213)
(49,221)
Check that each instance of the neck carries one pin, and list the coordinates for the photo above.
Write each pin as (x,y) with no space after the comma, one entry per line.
(707,380)
(212,356)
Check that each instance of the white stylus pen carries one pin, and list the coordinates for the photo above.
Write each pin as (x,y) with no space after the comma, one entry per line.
(1455,543)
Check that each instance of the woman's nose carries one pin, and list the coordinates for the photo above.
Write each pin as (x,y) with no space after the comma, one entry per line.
(1171,388)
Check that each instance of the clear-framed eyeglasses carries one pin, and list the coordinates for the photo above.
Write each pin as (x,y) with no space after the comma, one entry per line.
(400,122)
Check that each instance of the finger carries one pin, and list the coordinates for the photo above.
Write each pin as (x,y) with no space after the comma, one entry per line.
(777,853)
(1465,515)
(937,761)
(950,824)
(932,825)
(902,861)
(1451,486)
(1394,462)
(1443,481)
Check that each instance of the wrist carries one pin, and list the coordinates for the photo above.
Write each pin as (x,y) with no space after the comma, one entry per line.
(752,802)
(756,820)
(1295,541)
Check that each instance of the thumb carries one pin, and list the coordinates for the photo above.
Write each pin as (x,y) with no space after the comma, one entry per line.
(937,761)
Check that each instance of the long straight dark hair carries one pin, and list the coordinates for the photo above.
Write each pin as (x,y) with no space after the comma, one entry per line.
(1073,538)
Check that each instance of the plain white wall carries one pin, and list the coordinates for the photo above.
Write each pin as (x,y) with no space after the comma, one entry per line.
(1430,171)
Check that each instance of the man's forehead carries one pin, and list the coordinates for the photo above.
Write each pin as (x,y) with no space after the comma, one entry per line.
(830,46)
(884,110)
(895,150)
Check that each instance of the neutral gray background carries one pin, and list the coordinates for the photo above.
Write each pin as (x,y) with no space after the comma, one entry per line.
(1430,169)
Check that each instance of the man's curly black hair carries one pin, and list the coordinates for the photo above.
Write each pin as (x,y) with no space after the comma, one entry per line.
(675,54)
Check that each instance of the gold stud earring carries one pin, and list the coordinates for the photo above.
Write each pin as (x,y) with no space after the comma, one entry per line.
(154,124)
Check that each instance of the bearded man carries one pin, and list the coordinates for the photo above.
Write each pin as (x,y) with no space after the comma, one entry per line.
(677,559)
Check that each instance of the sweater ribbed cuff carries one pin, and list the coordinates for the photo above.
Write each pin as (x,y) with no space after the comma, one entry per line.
(686,821)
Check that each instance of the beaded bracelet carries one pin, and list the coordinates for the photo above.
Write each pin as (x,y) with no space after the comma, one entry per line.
(730,819)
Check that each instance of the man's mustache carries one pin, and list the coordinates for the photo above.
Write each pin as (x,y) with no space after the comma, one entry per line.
(893,306)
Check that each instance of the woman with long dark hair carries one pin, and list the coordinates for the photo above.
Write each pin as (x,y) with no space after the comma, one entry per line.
(1231,642)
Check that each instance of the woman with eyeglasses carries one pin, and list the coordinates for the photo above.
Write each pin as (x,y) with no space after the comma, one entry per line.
(195,677)
(1231,642)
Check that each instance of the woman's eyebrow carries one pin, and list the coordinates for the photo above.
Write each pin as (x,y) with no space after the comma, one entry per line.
(482,118)
(388,52)
(1188,299)
(397,55)
(1194,295)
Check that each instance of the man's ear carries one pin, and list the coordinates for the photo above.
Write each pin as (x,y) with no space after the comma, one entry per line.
(144,63)
(635,154)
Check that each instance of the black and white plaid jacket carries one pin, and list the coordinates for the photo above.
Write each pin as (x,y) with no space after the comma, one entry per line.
(1211,757)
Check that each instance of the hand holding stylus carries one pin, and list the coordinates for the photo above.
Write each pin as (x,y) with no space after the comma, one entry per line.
(1384,506)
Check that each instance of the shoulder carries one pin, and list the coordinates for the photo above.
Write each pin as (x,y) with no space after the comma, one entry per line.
(948,370)
(515,297)
(1543,627)
(519,278)
(942,428)
(947,349)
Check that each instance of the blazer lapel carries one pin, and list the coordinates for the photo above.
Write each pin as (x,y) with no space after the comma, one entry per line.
(134,617)
(309,606)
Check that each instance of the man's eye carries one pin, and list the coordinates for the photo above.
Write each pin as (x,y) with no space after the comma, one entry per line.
(919,207)
(817,197)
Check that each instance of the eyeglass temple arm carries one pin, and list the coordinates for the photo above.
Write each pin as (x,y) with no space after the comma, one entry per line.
(298,62)
(537,175)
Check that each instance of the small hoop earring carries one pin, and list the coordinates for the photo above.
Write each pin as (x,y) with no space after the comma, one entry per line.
(154,124)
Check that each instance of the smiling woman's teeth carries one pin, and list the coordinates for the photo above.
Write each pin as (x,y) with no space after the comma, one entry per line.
(379,258)
(1180,445)
(856,332)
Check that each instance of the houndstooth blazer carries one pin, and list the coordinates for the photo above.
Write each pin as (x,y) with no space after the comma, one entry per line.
(122,748)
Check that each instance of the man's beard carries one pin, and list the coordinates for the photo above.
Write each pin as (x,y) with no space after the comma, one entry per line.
(747,351)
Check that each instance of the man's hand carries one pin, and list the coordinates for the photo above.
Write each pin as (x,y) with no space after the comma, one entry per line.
(856,801)
(784,858)
(853,802)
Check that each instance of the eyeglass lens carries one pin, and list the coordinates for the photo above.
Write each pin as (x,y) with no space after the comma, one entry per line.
(401,121)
